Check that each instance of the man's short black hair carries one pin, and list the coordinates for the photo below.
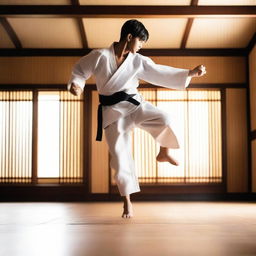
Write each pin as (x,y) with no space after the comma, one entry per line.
(135,28)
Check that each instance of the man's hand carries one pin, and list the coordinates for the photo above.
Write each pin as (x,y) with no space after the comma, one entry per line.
(75,89)
(197,71)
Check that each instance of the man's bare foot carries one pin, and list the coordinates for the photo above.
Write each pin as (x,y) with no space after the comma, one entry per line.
(128,210)
(164,156)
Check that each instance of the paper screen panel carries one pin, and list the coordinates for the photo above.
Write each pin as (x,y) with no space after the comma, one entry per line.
(16,136)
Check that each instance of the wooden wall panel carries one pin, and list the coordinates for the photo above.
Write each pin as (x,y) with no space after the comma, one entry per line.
(55,70)
(254,166)
(99,155)
(237,149)
(38,70)
(252,72)
(219,69)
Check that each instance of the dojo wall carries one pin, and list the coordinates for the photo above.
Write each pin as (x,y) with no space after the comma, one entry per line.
(220,70)
(56,70)
(252,77)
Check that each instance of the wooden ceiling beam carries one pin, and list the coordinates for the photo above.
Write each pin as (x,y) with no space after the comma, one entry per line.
(251,44)
(11,33)
(81,26)
(61,11)
(82,33)
(188,27)
(186,33)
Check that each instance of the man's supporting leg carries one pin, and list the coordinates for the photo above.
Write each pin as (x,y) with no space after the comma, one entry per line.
(128,211)
(119,142)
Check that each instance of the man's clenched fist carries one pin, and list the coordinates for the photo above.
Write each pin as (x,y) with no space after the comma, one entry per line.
(75,89)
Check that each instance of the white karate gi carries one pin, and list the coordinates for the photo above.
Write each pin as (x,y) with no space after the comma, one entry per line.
(121,118)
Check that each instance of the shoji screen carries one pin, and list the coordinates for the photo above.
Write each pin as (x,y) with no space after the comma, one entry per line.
(16,136)
(60,133)
(71,138)
(197,123)
(60,136)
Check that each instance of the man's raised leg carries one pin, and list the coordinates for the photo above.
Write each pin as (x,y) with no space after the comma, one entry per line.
(164,156)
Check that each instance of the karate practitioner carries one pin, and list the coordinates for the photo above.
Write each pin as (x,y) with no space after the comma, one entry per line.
(117,70)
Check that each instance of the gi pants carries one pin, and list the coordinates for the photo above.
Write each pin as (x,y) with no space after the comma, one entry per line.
(118,135)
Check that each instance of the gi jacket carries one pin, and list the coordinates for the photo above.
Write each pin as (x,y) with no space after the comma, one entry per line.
(110,79)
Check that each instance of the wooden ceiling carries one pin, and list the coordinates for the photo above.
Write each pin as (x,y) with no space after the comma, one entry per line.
(176,27)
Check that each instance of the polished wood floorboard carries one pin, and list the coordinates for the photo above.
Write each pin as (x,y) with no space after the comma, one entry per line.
(158,229)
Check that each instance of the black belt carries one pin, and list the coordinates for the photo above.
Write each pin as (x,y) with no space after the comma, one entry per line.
(111,100)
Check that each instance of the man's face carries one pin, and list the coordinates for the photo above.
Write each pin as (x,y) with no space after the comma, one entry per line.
(135,44)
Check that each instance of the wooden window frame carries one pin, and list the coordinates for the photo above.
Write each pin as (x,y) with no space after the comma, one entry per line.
(82,192)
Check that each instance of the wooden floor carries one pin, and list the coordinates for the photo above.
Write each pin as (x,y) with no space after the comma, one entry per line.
(159,229)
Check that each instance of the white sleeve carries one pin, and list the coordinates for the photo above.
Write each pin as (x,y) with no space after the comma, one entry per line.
(166,76)
(82,70)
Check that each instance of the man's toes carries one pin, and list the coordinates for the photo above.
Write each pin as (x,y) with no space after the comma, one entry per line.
(176,163)
(126,216)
